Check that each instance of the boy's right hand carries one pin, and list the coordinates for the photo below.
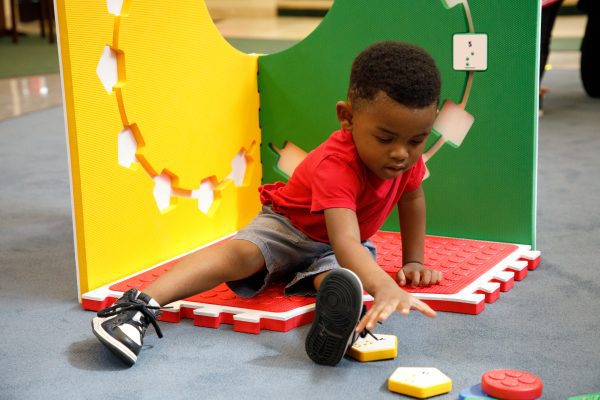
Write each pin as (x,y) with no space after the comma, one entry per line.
(389,299)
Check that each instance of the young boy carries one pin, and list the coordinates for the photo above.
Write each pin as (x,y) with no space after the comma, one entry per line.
(313,231)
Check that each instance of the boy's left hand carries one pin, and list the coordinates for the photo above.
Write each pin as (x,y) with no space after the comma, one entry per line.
(419,275)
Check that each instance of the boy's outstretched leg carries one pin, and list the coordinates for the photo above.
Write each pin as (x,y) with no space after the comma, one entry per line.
(121,327)
(337,312)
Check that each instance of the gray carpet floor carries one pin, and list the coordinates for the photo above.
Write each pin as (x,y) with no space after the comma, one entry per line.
(549,324)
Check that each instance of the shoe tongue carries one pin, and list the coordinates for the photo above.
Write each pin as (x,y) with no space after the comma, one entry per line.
(147,299)
(144,297)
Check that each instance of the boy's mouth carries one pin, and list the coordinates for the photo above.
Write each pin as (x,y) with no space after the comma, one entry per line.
(395,168)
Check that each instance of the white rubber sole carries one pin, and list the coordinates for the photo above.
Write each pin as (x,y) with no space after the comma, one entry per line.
(116,347)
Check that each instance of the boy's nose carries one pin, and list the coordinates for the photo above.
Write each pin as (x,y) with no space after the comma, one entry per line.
(399,153)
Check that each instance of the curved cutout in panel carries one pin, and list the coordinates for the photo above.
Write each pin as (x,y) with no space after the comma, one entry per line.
(263,35)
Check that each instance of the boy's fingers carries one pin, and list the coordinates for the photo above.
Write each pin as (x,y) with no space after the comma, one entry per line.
(368,320)
(416,278)
(371,318)
(361,324)
(424,308)
(426,278)
(401,278)
(379,314)
(404,309)
(383,316)
(437,277)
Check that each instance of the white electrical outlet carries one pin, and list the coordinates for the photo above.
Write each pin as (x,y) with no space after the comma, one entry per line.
(470,51)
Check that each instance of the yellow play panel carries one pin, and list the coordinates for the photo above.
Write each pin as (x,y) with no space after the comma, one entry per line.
(163,132)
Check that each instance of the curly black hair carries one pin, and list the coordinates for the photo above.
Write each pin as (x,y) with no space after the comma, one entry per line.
(406,73)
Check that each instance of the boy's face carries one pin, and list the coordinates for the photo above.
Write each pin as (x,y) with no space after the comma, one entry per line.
(389,136)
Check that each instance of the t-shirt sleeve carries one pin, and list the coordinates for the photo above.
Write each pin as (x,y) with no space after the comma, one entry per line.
(417,173)
(335,184)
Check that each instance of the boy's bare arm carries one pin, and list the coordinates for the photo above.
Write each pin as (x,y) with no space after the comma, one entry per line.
(411,210)
(344,236)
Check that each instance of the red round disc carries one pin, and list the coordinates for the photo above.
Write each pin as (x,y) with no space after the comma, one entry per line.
(511,384)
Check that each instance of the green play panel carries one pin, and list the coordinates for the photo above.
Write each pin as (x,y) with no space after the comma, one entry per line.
(484,189)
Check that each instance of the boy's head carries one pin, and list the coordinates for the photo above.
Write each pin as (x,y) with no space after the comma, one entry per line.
(392,104)
(405,73)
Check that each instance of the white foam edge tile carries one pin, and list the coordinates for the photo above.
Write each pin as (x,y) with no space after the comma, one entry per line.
(248,315)
(484,282)
(489,287)
(213,310)
(531,255)
(518,265)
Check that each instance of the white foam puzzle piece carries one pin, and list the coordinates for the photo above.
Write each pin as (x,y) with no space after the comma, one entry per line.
(205,195)
(107,69)
(115,7)
(452,3)
(127,148)
(238,168)
(290,156)
(162,191)
(453,123)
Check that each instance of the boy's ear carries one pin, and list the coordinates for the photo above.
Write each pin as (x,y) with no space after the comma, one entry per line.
(344,114)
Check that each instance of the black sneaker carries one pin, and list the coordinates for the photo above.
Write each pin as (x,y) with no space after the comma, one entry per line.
(121,327)
(337,312)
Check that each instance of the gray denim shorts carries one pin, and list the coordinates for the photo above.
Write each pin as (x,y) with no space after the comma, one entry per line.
(291,257)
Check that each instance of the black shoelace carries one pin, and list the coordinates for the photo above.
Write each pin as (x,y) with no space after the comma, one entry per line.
(125,306)
(366,332)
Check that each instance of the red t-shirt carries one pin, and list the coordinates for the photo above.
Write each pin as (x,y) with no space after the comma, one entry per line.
(333,176)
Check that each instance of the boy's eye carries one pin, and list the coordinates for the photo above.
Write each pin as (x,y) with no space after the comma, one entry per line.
(383,140)
(416,142)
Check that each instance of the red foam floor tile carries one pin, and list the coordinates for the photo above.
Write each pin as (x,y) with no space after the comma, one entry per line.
(460,261)
(474,273)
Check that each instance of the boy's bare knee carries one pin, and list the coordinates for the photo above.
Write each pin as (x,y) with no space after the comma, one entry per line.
(244,258)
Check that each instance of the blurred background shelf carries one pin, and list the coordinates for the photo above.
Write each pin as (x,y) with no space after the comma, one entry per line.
(304,8)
